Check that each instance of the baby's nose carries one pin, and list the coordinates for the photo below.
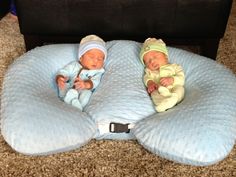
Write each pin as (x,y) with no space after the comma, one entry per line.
(152,62)
(95,59)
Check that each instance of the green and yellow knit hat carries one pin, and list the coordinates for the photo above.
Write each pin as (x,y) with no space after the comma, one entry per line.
(153,44)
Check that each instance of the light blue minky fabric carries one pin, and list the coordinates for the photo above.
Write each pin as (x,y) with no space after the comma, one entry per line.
(201,130)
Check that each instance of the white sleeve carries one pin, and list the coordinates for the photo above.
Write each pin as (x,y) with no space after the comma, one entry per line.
(179,77)
(97,78)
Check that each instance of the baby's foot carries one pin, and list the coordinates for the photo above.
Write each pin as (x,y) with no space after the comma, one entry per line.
(167,103)
(70,95)
(76,103)
(164,91)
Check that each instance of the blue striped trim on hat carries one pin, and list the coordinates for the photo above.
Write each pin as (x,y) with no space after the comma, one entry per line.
(83,48)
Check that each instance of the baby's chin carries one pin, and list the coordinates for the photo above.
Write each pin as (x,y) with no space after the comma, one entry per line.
(154,68)
(95,67)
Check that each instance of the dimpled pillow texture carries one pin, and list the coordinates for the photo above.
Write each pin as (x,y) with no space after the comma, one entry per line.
(201,130)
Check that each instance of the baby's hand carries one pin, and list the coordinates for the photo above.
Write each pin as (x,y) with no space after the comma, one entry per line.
(79,84)
(151,86)
(61,80)
(166,81)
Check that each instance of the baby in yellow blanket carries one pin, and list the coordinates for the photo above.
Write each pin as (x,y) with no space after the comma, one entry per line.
(164,81)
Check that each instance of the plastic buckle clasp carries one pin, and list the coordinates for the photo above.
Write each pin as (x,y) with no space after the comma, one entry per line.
(119,128)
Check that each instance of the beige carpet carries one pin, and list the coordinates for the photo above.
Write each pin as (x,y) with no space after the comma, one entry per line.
(105,158)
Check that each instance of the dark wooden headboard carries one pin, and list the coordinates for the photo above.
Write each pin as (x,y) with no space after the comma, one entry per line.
(181,22)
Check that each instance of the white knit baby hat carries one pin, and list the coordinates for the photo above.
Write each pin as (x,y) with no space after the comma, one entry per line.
(92,42)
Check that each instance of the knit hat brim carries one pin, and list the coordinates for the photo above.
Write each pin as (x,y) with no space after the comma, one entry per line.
(152,44)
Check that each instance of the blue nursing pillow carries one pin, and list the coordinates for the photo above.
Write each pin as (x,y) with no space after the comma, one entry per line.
(201,130)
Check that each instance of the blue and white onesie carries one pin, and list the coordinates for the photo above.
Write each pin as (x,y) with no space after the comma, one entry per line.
(78,98)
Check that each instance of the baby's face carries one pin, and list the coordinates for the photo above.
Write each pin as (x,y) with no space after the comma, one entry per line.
(154,60)
(93,59)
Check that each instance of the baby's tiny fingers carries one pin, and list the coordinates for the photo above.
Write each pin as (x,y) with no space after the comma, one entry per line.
(61,85)
(78,79)
(162,81)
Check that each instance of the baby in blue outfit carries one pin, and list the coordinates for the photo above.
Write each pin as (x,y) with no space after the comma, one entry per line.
(78,79)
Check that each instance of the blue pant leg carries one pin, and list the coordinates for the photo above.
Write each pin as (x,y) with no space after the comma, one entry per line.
(84,97)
